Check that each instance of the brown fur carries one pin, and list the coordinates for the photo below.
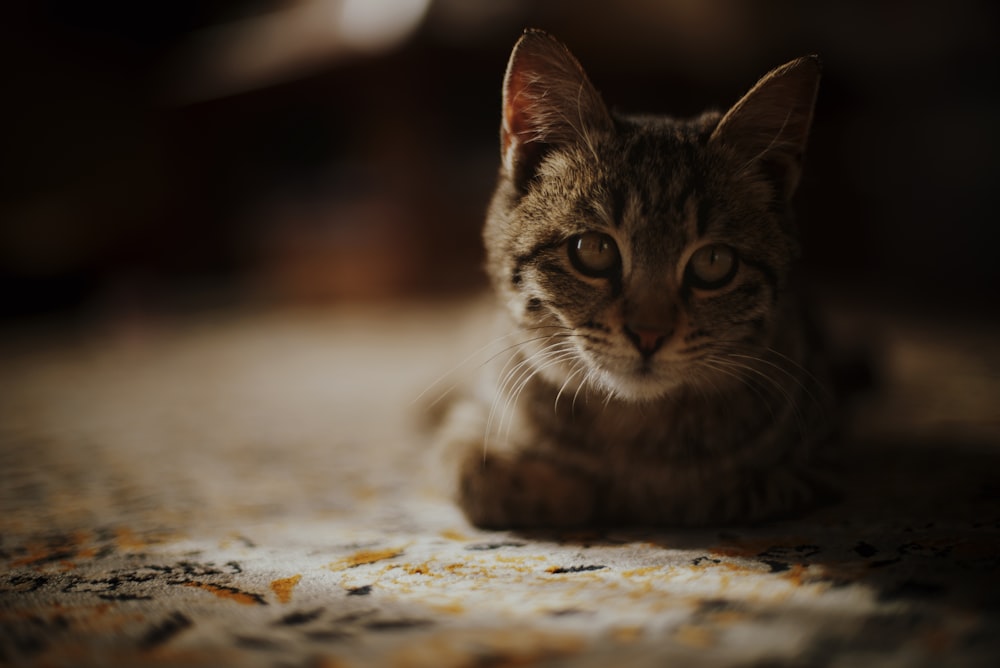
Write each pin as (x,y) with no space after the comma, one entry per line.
(638,395)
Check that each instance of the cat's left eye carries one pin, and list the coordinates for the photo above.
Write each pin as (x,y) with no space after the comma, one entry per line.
(712,267)
(594,254)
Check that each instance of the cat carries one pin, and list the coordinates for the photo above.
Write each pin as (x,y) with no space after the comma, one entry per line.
(657,368)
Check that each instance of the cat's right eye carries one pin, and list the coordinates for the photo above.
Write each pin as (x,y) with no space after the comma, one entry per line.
(594,254)
(712,267)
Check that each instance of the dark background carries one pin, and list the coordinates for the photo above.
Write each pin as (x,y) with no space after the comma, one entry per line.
(200,153)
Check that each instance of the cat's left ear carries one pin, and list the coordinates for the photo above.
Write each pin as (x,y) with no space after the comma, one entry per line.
(770,124)
(548,102)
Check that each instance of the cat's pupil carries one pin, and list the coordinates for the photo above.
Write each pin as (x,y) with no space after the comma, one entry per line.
(712,267)
(594,253)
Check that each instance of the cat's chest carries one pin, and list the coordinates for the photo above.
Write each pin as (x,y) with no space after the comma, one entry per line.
(676,429)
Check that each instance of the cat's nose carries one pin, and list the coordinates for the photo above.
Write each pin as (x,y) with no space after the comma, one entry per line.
(647,339)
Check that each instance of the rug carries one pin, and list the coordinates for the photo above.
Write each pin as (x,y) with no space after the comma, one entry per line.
(241,489)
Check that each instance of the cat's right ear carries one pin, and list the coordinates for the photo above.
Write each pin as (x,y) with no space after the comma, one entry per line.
(547,102)
(768,127)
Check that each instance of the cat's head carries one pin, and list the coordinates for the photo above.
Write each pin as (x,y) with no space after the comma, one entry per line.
(654,247)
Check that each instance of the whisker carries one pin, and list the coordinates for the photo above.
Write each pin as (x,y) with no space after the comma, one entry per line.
(585,381)
(721,367)
(556,358)
(785,393)
(777,367)
(532,365)
(513,386)
(799,367)
(459,366)
(512,379)
(607,399)
(480,351)
(808,384)
(578,368)
(698,376)
(506,375)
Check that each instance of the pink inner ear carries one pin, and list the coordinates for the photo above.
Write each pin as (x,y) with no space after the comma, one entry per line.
(522,130)
(513,110)
(523,90)
(547,100)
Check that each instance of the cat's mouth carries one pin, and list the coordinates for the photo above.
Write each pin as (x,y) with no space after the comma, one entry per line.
(643,380)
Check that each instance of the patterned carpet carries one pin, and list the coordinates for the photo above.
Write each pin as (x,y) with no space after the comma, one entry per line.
(242,490)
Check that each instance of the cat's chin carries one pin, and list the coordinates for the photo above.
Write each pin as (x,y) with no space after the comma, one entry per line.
(639,387)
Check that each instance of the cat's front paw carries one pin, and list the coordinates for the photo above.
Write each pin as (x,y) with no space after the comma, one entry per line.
(524,492)
(780,493)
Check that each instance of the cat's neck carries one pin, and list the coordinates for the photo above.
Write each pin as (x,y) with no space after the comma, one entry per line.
(684,424)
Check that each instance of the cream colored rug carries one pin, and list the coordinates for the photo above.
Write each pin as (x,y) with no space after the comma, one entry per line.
(241,490)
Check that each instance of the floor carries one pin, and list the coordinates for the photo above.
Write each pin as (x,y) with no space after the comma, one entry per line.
(243,489)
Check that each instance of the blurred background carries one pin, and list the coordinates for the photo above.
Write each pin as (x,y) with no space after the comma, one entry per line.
(199,153)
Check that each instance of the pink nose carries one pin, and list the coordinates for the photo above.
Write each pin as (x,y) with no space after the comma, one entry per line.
(647,340)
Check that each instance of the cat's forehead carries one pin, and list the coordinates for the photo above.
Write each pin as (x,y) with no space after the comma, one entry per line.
(654,182)
(662,160)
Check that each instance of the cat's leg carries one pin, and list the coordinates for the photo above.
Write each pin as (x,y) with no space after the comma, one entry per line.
(524,491)
(500,486)
(672,496)
(777,493)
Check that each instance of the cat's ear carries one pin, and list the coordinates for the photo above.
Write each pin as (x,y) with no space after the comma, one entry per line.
(547,102)
(770,124)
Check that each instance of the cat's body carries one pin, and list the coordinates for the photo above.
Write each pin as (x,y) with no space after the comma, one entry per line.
(658,371)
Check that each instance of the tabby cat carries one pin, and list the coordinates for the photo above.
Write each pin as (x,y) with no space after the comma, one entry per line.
(656,367)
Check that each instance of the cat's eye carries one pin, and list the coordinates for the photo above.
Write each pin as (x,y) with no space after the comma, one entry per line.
(594,254)
(712,267)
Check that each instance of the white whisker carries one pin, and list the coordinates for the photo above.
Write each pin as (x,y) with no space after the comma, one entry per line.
(790,375)
(557,357)
(477,353)
(803,370)
(792,404)
(585,381)
(578,368)
(721,367)
(513,381)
